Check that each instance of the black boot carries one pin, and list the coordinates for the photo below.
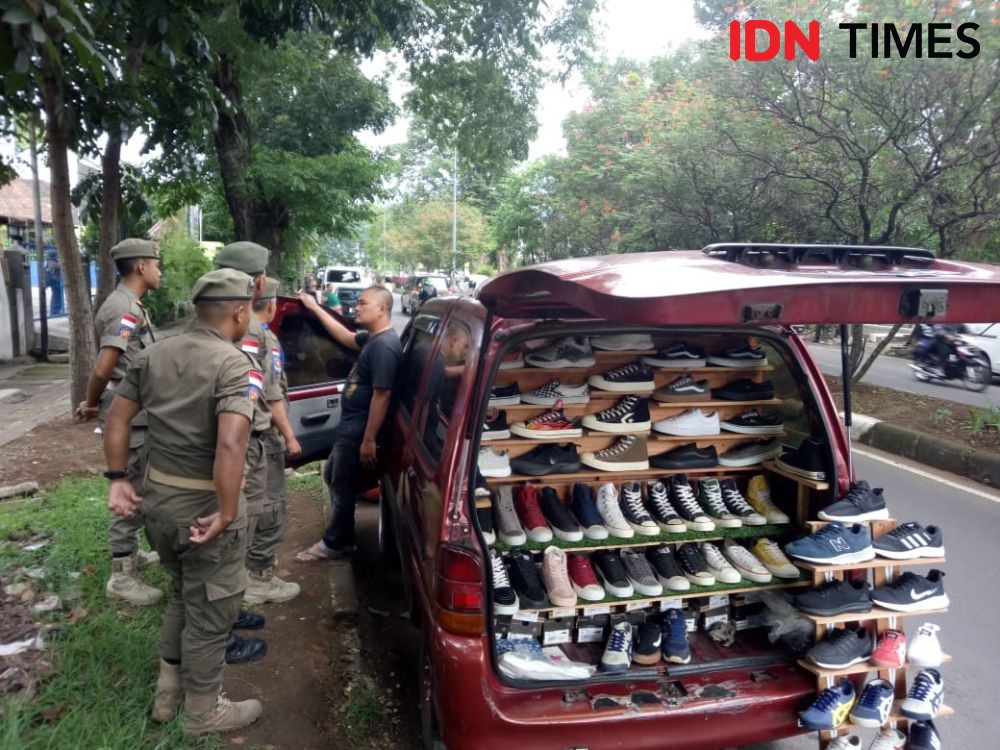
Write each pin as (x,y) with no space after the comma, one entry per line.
(243,650)
(248,621)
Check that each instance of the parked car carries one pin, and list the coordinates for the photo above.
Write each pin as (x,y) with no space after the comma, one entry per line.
(426,285)
(348,281)
(986,336)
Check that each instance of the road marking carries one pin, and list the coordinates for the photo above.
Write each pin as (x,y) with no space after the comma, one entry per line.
(992,496)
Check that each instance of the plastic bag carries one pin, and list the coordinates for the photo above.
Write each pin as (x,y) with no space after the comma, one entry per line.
(785,626)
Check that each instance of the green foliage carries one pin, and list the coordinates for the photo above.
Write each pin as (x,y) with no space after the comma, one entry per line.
(183,261)
(418,236)
(985,420)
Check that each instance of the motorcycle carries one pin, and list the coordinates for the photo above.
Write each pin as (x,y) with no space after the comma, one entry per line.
(966,363)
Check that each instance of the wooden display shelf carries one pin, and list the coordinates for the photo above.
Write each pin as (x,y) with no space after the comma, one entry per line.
(609,360)
(876,613)
(587,474)
(895,717)
(878,562)
(854,668)
(810,483)
(723,436)
(653,405)
(598,439)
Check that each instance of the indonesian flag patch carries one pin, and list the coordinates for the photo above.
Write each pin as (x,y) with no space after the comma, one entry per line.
(253,391)
(276,360)
(250,346)
(126,325)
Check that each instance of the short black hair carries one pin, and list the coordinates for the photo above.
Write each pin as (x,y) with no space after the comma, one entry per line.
(125,266)
(261,304)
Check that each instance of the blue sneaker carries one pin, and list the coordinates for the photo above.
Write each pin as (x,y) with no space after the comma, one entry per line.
(924,736)
(872,709)
(835,544)
(585,510)
(675,637)
(831,708)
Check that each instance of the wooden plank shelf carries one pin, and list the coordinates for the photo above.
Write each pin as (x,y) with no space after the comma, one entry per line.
(609,360)
(722,436)
(653,405)
(862,668)
(589,437)
(876,613)
(587,474)
(878,562)
(810,483)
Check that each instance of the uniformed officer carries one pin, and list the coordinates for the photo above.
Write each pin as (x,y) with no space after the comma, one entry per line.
(200,393)
(123,330)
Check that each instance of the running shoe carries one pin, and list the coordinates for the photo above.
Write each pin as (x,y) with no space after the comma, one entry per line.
(831,708)
(889,739)
(925,697)
(842,648)
(911,592)
(834,544)
(618,650)
(630,414)
(925,649)
(547,458)
(924,736)
(891,650)
(759,497)
(675,638)
(874,705)
(835,598)
(646,649)
(552,424)
(909,541)
(568,352)
(861,503)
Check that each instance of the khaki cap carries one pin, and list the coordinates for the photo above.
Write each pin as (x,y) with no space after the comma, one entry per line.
(270,289)
(223,284)
(133,247)
(248,257)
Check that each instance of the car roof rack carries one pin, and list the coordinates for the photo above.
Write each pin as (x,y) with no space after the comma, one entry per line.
(765,253)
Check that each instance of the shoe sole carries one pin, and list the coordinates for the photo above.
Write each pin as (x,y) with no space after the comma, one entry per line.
(719,579)
(568,536)
(742,430)
(647,660)
(495,473)
(645,590)
(746,460)
(629,349)
(527,432)
(506,401)
(700,525)
(910,554)
(754,520)
(704,581)
(624,428)
(931,602)
(673,528)
(863,721)
(673,364)
(818,476)
(256,599)
(742,364)
(872,515)
(674,584)
(609,385)
(772,516)
(716,395)
(551,400)
(541,471)
(512,540)
(506,609)
(844,559)
(539,535)
(641,530)
(614,668)
(786,574)
(750,575)
(684,431)
(619,532)
(679,659)
(889,665)
(727,523)
(563,364)
(860,608)
(499,435)
(518,365)
(918,715)
(590,596)
(617,591)
(845,665)
(675,398)
(699,463)
(596,463)
(597,533)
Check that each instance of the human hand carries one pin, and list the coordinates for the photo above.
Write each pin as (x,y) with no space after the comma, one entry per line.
(368,454)
(207,528)
(308,301)
(292,448)
(84,412)
(123,500)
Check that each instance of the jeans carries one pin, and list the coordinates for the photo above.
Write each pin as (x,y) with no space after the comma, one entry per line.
(343,470)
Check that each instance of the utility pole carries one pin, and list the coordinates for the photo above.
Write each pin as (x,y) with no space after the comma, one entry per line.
(385,260)
(454,213)
(39,242)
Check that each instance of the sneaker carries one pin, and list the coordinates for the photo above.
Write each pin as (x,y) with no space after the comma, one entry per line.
(834,544)
(910,540)
(888,739)
(512,361)
(551,424)
(675,637)
(891,650)
(611,573)
(555,576)
(505,395)
(627,453)
(509,527)
(640,573)
(493,464)
(554,391)
(618,651)
(693,422)
(484,517)
(495,426)
(627,378)
(710,499)
(718,565)
(585,510)
(769,553)
(634,512)
(924,736)
(740,356)
(662,511)
(835,598)
(583,579)
(925,649)
(846,742)
(748,454)
(739,507)
(646,649)
(683,499)
(569,352)
(874,705)
(630,414)
(482,487)
(687,456)
(685,388)
(560,520)
(759,497)
(523,576)
(912,592)
(744,389)
(925,697)
(504,598)
(842,648)
(668,570)
(744,561)
(611,512)
(694,566)
(678,356)
(547,459)
(623,342)
(808,460)
(754,422)
(530,514)
(831,707)
(861,503)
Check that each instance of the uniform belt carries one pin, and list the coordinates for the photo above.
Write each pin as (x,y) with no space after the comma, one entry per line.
(181,483)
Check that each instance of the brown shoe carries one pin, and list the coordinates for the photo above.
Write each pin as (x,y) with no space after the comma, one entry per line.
(213,713)
(169,692)
(682,390)
(627,453)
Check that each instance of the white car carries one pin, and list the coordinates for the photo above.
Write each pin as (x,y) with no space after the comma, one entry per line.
(987,337)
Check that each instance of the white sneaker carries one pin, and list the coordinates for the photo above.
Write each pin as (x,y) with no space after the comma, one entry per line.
(743,560)
(693,422)
(925,649)
(556,390)
(718,565)
(847,742)
(925,697)
(611,512)
(568,352)
(508,525)
(618,650)
(624,342)
(493,464)
(888,739)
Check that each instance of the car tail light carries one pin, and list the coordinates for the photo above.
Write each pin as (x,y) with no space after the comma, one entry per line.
(459,590)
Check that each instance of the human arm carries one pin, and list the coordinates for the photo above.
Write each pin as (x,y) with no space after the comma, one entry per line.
(343,335)
(123,500)
(376,416)
(279,415)
(227,474)
(100,376)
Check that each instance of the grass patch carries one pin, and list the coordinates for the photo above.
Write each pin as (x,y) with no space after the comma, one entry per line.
(363,712)
(984,420)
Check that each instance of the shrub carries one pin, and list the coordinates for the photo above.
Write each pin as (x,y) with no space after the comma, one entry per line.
(183,261)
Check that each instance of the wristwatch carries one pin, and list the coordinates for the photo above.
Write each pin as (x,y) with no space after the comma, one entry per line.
(113,475)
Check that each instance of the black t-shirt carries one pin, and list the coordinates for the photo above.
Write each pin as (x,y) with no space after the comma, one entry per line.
(376,367)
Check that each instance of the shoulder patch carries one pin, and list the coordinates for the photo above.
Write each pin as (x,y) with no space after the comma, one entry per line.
(255,386)
(276,363)
(127,325)
(250,346)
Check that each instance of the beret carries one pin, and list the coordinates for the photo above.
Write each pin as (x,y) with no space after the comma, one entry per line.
(248,257)
(134,247)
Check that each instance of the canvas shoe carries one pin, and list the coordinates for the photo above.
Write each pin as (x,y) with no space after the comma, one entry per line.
(693,422)
(710,499)
(675,638)
(683,499)
(583,578)
(909,541)
(640,573)
(924,736)
(845,742)
(505,395)
(834,544)
(482,487)
(861,503)
(612,574)
(555,390)
(630,414)
(555,576)
(484,517)
(523,576)
(687,456)
(667,569)
(662,511)
(530,514)
(634,512)
(739,507)
(891,650)
(618,651)
(718,565)
(560,520)
(744,389)
(740,356)
(646,649)
(551,424)
(694,566)
(831,708)
(888,739)
(842,648)
(749,454)
(807,461)
(743,560)
(623,342)
(769,553)
(912,592)
(512,361)
(684,388)
(835,598)
(627,453)
(495,427)
(611,512)
(925,697)
(925,649)
(754,422)
(759,497)
(627,378)
(509,527)
(677,356)
(568,352)
(493,464)
(546,459)
(583,507)
(874,705)
(504,598)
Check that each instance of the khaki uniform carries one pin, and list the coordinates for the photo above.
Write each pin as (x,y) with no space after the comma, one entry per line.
(183,384)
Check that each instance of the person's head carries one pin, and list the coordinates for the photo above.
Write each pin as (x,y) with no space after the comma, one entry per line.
(138,263)
(455,344)
(329,287)
(222,300)
(266,305)
(374,308)
(248,257)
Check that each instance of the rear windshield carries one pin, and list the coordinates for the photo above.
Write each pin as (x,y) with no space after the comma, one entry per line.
(438,282)
(342,277)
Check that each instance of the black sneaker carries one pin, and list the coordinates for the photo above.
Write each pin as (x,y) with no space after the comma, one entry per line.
(547,459)
(924,736)
(861,503)
(808,460)
(687,456)
(525,580)
(683,499)
(244,650)
(646,648)
(685,388)
(504,599)
(912,592)
(505,395)
(694,566)
(609,568)
(485,518)
(482,488)
(636,515)
(836,597)
(754,423)
(661,510)
(561,521)
(626,378)
(495,427)
(740,356)
(842,648)
(630,414)
(678,356)
(910,540)
(738,505)
(667,569)
(743,389)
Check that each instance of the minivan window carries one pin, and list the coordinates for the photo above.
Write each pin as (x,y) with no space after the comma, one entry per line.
(311,356)
(342,277)
(443,378)
(419,346)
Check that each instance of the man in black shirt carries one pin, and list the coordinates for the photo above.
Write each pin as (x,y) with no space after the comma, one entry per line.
(365,407)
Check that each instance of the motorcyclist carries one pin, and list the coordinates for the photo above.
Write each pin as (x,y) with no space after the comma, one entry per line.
(938,344)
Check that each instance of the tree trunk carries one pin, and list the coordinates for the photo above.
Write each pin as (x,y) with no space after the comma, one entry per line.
(82,348)
(856,378)
(270,223)
(111,183)
(232,145)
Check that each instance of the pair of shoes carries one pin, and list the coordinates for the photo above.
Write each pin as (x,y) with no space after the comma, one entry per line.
(667,641)
(924,650)
(243,650)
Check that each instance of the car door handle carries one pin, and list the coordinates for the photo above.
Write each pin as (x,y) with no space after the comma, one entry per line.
(313,419)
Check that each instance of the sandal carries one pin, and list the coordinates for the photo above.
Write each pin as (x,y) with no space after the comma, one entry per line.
(317,553)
